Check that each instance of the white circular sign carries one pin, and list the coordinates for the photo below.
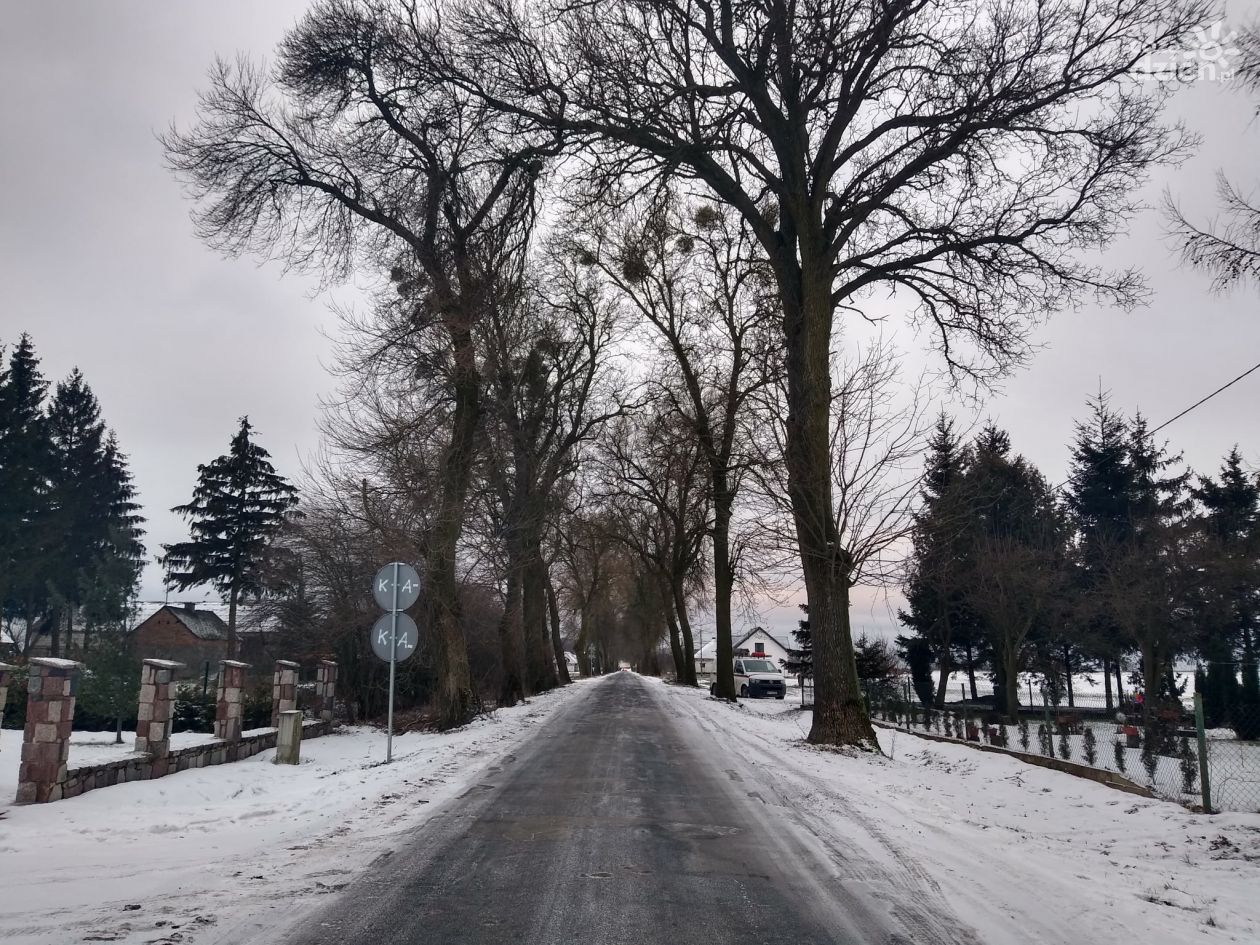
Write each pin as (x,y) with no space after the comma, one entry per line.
(382,637)
(399,576)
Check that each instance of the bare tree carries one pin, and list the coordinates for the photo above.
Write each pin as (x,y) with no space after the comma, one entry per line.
(879,434)
(660,509)
(548,392)
(957,153)
(355,151)
(690,271)
(1229,249)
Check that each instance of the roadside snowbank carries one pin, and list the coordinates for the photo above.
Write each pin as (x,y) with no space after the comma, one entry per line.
(226,853)
(1021,853)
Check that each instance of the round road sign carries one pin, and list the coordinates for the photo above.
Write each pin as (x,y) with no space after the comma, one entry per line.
(408,586)
(408,636)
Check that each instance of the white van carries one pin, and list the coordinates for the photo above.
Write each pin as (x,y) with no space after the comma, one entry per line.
(756,676)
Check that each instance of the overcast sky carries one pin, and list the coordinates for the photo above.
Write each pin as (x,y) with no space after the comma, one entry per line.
(99,263)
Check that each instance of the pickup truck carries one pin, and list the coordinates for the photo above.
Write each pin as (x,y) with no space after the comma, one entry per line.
(756,676)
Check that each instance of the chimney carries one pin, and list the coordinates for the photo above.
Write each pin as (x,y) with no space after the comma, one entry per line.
(189,606)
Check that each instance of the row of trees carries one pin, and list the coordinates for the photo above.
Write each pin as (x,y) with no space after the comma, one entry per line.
(1132,555)
(70,529)
(723,183)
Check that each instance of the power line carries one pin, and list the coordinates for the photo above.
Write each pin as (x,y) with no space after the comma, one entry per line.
(1193,406)
(1200,403)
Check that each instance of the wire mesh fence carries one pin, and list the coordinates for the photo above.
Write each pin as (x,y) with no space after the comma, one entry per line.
(1167,748)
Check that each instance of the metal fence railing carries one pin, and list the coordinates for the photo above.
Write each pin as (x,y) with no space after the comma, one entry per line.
(1166,748)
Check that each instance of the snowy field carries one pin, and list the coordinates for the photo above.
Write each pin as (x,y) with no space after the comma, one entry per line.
(1089,689)
(225,854)
(1019,854)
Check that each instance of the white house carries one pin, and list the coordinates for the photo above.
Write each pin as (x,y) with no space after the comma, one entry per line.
(755,642)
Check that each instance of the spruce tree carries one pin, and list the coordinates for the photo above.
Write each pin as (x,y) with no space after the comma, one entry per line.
(1017,568)
(25,463)
(113,575)
(1151,576)
(936,603)
(800,662)
(77,508)
(238,506)
(1229,602)
(94,524)
(1097,497)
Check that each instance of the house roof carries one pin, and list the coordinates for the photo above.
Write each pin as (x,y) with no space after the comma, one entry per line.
(203,624)
(709,650)
(755,630)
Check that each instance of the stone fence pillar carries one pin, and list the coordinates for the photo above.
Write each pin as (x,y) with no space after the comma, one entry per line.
(283,690)
(46,740)
(289,737)
(229,708)
(6,674)
(153,718)
(325,689)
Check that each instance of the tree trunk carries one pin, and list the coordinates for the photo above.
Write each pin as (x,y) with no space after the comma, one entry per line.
(675,641)
(539,667)
(455,700)
(233,647)
(118,730)
(1067,671)
(1011,684)
(946,664)
(54,636)
(511,687)
(688,642)
(557,644)
(1119,681)
(1150,671)
(583,657)
(971,671)
(724,586)
(840,716)
(1107,685)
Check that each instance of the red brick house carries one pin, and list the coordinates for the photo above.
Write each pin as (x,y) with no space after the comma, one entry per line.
(185,634)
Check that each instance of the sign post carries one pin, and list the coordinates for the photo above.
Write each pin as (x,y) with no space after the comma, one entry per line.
(396,587)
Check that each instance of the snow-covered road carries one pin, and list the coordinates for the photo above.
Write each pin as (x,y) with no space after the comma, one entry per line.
(1007,852)
(1021,854)
(224,854)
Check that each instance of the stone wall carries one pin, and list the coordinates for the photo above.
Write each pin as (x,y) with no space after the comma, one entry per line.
(143,768)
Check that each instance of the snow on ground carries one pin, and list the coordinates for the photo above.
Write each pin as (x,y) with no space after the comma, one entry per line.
(223,854)
(1020,853)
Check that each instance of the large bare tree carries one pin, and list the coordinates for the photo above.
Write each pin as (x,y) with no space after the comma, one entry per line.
(958,153)
(353,151)
(691,272)
(660,509)
(548,391)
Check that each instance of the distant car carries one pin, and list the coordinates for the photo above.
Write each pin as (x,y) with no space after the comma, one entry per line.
(756,678)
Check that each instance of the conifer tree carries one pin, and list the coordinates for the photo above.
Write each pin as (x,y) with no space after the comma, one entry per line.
(25,460)
(94,548)
(935,590)
(1150,577)
(114,574)
(1097,496)
(800,661)
(1229,602)
(1017,567)
(238,506)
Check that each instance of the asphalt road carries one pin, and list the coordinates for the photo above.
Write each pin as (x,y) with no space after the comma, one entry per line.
(615,824)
